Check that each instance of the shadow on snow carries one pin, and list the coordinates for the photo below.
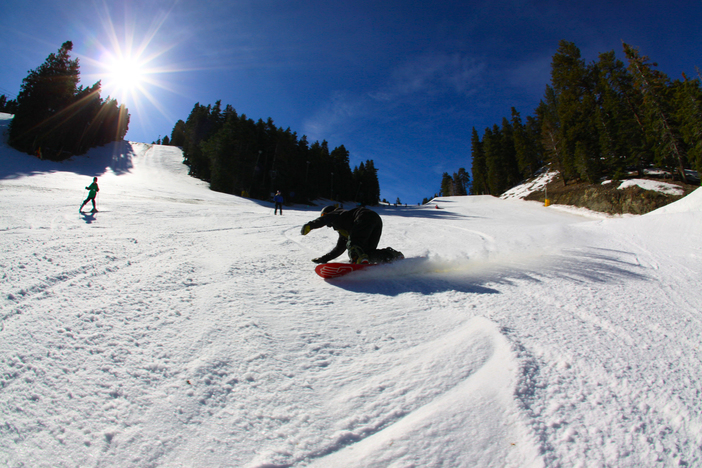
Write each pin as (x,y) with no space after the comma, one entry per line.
(117,156)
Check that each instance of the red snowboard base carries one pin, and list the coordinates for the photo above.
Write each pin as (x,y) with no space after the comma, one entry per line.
(335,270)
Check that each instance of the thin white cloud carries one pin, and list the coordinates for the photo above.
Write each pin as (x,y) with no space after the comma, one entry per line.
(338,114)
(432,74)
(425,77)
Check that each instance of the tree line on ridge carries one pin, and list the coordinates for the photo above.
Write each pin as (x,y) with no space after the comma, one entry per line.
(238,155)
(603,120)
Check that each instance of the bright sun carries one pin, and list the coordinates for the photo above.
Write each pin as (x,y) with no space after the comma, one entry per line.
(130,70)
(125,75)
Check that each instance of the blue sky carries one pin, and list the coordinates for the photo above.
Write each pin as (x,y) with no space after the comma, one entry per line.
(402,83)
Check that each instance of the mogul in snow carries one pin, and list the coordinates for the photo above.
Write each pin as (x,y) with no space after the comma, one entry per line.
(93,190)
(359,232)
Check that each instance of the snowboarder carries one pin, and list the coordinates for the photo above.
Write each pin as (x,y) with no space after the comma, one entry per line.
(278,199)
(359,232)
(94,189)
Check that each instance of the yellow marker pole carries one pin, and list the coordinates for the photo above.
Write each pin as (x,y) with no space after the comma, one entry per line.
(547,202)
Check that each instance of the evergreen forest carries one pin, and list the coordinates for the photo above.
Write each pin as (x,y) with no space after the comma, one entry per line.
(55,118)
(599,120)
(8,106)
(250,158)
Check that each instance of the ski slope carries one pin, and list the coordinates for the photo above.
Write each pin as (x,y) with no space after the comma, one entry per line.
(180,327)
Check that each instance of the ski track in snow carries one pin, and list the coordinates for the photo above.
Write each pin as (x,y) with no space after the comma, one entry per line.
(183,327)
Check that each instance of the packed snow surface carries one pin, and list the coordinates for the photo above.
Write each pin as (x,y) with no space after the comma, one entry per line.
(182,327)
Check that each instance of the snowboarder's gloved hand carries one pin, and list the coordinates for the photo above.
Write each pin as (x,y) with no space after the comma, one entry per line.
(305,229)
(323,259)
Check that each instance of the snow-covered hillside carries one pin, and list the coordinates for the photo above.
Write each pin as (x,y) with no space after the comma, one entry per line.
(183,327)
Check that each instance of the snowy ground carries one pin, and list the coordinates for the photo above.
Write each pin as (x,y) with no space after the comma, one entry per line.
(182,327)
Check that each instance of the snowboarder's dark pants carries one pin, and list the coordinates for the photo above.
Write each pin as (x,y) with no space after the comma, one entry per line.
(366,232)
(278,206)
(92,199)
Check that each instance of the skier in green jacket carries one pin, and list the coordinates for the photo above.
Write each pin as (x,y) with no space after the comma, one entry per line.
(94,189)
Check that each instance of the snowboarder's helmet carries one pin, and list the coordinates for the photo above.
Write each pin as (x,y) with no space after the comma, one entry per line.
(328,209)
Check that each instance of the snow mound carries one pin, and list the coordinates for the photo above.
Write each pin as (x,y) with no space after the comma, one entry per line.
(690,203)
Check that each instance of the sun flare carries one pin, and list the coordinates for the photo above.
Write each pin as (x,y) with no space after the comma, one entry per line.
(131,59)
(125,74)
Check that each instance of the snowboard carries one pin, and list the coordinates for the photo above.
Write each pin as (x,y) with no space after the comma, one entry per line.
(336,270)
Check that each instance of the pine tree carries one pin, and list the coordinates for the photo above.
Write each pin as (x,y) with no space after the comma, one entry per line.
(658,111)
(371,181)
(321,173)
(344,186)
(509,155)
(57,117)
(178,134)
(45,93)
(622,132)
(222,153)
(610,116)
(365,175)
(199,127)
(461,181)
(479,167)
(573,85)
(446,185)
(535,149)
(526,150)
(494,160)
(587,154)
(688,99)
(552,135)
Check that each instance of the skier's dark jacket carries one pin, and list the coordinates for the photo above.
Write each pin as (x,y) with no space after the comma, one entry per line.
(343,222)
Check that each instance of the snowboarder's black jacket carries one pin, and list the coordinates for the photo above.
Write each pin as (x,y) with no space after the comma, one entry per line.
(343,221)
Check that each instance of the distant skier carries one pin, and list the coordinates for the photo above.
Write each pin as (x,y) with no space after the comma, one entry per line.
(94,189)
(278,199)
(359,232)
